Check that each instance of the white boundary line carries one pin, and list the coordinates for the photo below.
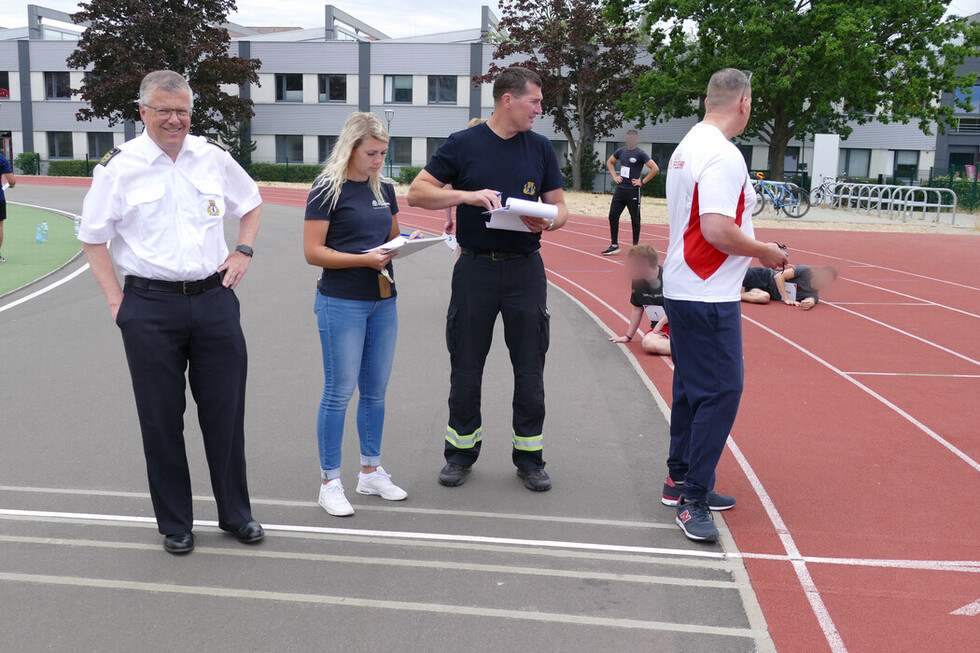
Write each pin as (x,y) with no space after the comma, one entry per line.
(948,376)
(51,286)
(883,267)
(905,333)
(908,296)
(925,429)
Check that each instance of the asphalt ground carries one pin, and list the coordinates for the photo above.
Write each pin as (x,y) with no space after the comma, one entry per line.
(595,563)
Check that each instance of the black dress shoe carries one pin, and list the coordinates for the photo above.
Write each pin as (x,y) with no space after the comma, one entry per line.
(453,475)
(178,544)
(250,533)
(536,480)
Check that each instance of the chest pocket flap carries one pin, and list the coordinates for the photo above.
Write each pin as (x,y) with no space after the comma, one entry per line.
(145,194)
(211,197)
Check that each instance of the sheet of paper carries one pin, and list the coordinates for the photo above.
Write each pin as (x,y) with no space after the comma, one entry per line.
(624,172)
(450,241)
(654,313)
(5,186)
(408,246)
(508,217)
(791,291)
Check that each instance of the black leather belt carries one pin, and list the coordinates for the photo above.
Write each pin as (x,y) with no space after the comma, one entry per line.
(182,287)
(492,255)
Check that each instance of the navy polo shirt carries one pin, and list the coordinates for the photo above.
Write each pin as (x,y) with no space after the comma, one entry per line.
(358,222)
(523,166)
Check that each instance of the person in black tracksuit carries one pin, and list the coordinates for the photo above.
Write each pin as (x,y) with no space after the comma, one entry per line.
(498,271)
(629,181)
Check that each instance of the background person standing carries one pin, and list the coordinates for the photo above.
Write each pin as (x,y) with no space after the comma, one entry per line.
(629,182)
(709,202)
(498,272)
(161,200)
(6,176)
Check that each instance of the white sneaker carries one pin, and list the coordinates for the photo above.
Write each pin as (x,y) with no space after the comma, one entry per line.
(333,499)
(379,483)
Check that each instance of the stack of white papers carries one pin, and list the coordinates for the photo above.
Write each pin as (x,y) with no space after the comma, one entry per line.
(408,246)
(508,217)
(5,186)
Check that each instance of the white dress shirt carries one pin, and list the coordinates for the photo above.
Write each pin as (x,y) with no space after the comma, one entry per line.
(164,217)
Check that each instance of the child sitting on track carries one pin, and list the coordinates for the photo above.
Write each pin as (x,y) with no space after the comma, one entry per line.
(647,297)
(762,285)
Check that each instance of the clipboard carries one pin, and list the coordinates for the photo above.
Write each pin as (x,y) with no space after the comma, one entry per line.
(408,246)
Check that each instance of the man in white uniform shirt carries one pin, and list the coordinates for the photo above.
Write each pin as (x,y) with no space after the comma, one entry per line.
(709,202)
(161,199)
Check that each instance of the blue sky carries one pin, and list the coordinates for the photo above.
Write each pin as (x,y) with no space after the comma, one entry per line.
(393,17)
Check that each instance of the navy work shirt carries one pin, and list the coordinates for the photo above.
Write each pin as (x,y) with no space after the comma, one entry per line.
(357,223)
(523,166)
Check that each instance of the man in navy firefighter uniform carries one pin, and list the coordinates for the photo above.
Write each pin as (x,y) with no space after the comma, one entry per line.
(498,271)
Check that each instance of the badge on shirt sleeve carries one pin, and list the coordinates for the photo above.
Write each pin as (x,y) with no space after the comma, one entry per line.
(529,188)
(213,209)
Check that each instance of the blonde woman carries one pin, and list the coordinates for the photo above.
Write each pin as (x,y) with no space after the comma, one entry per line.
(350,212)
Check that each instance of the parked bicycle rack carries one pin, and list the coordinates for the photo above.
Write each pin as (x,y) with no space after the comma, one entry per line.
(895,201)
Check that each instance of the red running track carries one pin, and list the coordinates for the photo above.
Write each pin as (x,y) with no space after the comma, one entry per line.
(855,454)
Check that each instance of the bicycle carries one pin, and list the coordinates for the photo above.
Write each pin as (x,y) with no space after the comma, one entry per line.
(825,192)
(789,197)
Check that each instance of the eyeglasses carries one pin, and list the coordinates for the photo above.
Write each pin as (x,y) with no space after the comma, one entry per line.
(748,73)
(167,112)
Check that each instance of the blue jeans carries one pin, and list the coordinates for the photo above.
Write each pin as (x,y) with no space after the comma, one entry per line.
(358,340)
(706,345)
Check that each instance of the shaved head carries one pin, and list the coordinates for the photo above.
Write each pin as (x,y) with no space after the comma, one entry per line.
(726,87)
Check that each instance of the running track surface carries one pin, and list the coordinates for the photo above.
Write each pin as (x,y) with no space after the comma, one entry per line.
(855,456)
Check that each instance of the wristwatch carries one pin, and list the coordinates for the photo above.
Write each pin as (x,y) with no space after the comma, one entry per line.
(246,250)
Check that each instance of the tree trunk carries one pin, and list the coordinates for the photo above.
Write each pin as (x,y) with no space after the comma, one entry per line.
(575,155)
(777,153)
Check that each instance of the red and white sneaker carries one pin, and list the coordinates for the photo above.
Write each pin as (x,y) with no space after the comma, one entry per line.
(674,489)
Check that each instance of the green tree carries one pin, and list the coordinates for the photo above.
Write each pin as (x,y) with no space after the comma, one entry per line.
(129,38)
(819,66)
(586,64)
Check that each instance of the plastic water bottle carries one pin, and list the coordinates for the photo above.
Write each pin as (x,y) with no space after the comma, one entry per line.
(40,235)
(44,230)
(78,223)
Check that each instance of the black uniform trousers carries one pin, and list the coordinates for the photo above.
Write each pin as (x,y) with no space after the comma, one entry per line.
(166,334)
(517,289)
(624,198)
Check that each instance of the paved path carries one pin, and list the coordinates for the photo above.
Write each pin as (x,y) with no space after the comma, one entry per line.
(596,563)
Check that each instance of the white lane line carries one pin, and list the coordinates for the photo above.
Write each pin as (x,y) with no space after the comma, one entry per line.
(288,503)
(905,333)
(441,565)
(347,601)
(915,297)
(51,286)
(883,267)
(884,303)
(948,376)
(922,427)
(968,610)
(440,537)
(703,558)
(799,566)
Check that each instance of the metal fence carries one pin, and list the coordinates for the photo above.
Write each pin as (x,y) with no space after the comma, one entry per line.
(891,200)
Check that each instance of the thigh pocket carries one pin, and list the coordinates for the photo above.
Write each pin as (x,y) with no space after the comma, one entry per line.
(544,329)
(452,329)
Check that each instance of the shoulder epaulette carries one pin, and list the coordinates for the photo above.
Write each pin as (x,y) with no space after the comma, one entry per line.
(108,156)
(216,143)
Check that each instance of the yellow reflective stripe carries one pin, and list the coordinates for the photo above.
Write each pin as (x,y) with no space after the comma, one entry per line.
(532,443)
(463,441)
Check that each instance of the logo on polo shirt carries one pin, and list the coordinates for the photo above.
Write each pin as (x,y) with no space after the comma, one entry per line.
(379,205)
(529,188)
(632,159)
(213,209)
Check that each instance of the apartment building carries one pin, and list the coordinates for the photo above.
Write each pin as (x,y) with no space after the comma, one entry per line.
(311,79)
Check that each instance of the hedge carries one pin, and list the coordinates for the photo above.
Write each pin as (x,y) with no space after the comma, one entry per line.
(71,168)
(303,174)
(407,174)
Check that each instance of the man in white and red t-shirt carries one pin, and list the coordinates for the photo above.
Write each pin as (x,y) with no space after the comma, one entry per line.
(709,201)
